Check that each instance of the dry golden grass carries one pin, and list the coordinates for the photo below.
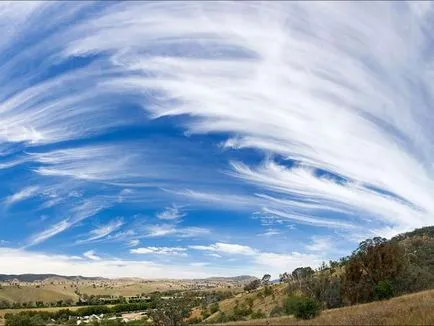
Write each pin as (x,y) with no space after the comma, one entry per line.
(412,309)
(55,292)
(265,304)
(31,293)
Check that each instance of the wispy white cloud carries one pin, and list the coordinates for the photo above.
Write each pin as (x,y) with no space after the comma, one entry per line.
(103,231)
(262,259)
(50,232)
(21,195)
(160,230)
(227,248)
(277,98)
(91,255)
(171,213)
(133,243)
(169,251)
(324,244)
(270,232)
(3,242)
(79,213)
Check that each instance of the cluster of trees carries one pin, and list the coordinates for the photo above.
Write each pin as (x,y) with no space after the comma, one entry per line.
(378,269)
(4,304)
(84,300)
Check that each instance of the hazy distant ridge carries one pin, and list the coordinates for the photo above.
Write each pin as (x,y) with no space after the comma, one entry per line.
(42,277)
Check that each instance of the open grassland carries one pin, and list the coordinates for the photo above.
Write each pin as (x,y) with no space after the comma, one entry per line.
(412,309)
(51,293)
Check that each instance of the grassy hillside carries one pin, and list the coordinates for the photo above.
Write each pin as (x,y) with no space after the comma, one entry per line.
(42,277)
(30,293)
(410,309)
(258,300)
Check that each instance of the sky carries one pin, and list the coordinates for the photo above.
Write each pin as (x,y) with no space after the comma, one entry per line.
(196,139)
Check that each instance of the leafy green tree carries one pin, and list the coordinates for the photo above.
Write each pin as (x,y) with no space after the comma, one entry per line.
(302,307)
(383,290)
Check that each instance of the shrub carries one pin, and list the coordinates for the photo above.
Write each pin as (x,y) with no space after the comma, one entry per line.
(277,311)
(242,311)
(214,308)
(383,290)
(258,314)
(250,302)
(268,291)
(253,285)
(302,307)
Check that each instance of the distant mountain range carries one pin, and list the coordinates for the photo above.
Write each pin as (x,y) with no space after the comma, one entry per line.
(236,279)
(42,277)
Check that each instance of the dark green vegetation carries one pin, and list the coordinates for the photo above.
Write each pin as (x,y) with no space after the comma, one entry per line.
(302,307)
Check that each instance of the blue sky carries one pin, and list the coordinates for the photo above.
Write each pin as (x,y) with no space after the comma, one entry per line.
(192,139)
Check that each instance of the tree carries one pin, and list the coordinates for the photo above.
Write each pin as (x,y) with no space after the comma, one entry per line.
(285,277)
(301,274)
(253,285)
(266,279)
(375,260)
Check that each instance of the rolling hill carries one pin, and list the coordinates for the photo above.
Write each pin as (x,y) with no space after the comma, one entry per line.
(43,277)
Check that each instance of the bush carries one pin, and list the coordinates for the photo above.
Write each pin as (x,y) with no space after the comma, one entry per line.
(214,308)
(250,301)
(302,307)
(242,311)
(277,311)
(383,290)
(253,285)
(258,314)
(268,291)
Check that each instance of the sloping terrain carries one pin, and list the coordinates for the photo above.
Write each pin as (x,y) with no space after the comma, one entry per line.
(42,277)
(45,294)
(410,309)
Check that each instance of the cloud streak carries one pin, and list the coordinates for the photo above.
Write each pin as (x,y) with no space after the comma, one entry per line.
(103,231)
(166,251)
(337,111)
